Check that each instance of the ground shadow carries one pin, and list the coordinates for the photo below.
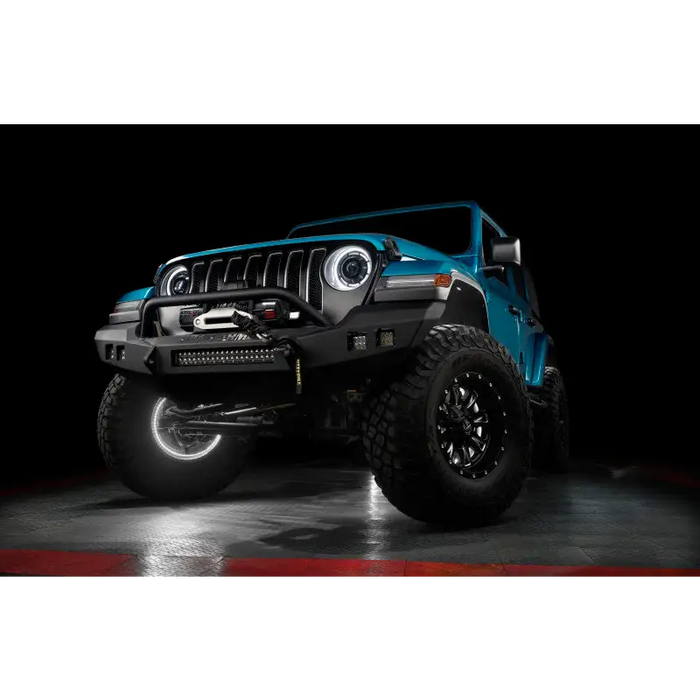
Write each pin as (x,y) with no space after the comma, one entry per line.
(279,492)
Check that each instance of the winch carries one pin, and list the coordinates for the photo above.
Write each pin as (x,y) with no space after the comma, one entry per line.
(236,315)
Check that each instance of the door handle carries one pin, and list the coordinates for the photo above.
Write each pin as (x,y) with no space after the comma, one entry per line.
(530,321)
(514,310)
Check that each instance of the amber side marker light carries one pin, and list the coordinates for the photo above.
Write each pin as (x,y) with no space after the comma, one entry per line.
(418,281)
(443,280)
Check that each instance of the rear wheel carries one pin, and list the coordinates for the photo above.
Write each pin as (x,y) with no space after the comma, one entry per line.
(154,460)
(451,441)
(552,424)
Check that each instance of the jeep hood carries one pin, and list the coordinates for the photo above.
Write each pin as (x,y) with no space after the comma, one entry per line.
(407,248)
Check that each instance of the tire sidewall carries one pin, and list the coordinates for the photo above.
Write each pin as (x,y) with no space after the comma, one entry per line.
(559,413)
(146,469)
(552,438)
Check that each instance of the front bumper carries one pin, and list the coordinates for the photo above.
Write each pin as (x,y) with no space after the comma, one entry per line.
(123,347)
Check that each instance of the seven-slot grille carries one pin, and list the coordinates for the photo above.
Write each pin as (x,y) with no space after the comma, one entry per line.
(297,270)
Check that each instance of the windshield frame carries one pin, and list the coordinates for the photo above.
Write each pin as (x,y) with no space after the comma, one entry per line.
(307,229)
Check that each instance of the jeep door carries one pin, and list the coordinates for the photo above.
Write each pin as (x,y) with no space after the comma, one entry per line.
(521,282)
(503,306)
(532,325)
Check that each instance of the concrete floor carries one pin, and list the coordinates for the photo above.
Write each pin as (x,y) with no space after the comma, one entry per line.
(297,513)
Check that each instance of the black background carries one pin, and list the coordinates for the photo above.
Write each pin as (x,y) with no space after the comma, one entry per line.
(608,219)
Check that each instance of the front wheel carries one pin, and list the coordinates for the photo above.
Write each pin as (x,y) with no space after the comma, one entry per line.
(451,441)
(157,462)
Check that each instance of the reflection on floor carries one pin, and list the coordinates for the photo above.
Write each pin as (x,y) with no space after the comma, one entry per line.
(328,518)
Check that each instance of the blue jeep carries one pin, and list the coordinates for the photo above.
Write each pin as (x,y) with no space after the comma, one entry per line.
(355,326)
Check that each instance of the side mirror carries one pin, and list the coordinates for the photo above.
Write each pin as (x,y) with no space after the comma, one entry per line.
(506,251)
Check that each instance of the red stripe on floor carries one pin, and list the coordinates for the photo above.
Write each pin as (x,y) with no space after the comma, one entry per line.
(313,567)
(51,563)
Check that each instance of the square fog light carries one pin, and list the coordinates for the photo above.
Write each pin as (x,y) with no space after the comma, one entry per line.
(357,341)
(385,338)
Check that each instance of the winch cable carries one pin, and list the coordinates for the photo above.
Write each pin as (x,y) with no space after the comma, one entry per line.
(252,325)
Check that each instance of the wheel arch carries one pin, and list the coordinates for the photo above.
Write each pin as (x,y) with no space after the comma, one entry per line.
(465,306)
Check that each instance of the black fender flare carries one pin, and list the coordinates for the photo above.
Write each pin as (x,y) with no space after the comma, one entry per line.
(464,306)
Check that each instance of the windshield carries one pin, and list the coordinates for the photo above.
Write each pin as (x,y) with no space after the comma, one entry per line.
(447,229)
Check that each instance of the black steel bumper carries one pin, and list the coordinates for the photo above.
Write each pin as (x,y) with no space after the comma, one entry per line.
(321,345)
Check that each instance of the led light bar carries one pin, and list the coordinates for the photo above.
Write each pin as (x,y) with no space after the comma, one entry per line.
(238,356)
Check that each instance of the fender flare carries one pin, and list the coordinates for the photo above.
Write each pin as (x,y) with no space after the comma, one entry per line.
(544,355)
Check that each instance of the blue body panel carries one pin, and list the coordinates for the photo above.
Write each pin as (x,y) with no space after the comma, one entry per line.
(540,348)
(528,346)
(420,267)
(137,295)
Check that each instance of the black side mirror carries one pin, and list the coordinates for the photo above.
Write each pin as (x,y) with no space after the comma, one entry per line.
(506,251)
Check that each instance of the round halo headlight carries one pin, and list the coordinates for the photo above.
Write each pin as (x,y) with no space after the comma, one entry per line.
(175,281)
(347,268)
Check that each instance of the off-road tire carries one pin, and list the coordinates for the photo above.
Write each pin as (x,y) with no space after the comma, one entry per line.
(551,451)
(130,451)
(401,441)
